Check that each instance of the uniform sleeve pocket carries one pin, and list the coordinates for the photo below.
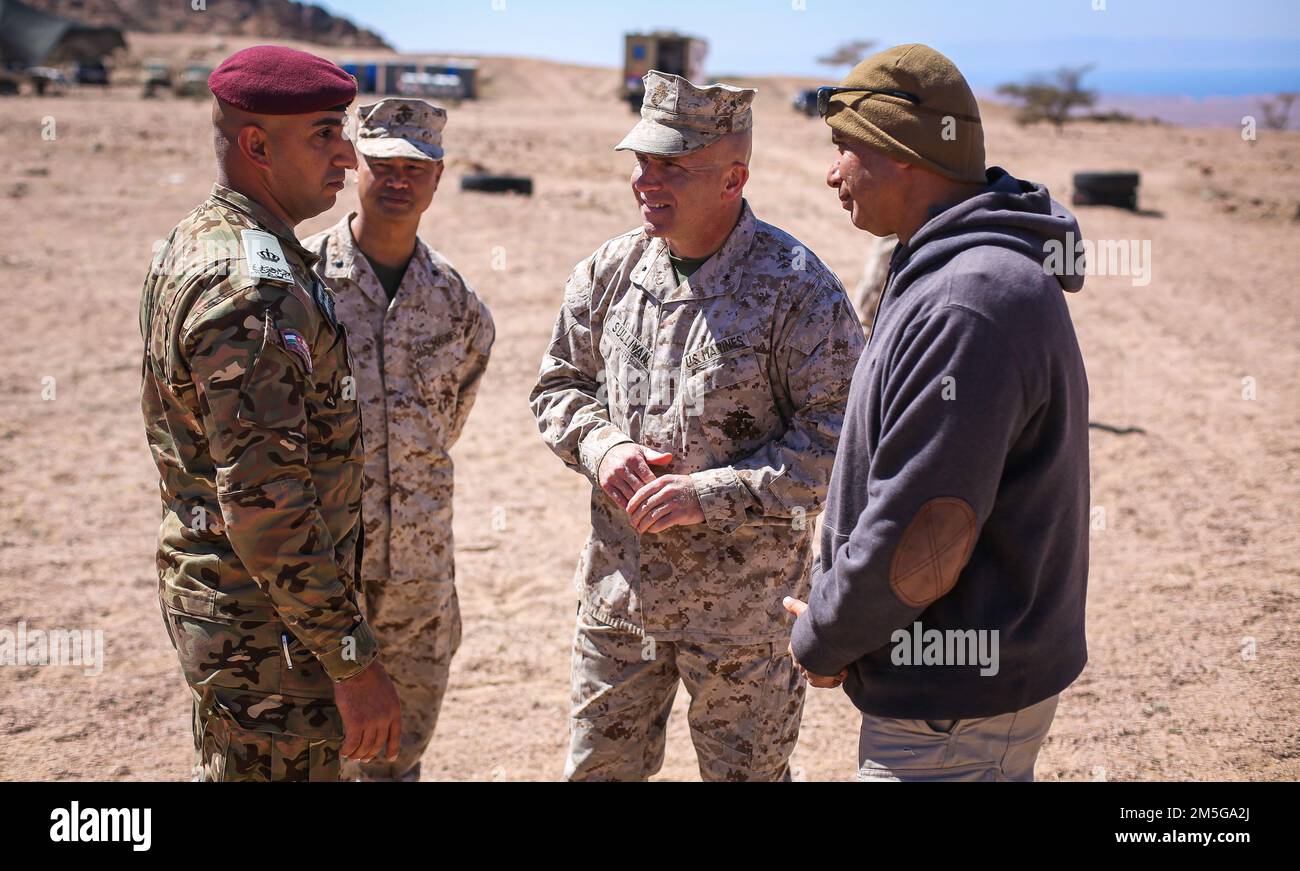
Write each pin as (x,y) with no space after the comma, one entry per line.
(272,393)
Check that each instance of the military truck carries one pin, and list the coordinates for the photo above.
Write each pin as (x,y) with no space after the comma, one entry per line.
(664,51)
(157,77)
(192,81)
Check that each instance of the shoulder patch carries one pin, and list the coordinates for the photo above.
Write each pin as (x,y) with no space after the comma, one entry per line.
(265,257)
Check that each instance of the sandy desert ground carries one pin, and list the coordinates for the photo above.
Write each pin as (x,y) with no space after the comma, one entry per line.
(1195,582)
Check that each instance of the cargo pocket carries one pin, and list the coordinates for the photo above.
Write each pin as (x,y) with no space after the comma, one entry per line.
(449,642)
(239,670)
(167,621)
(231,753)
(226,652)
(754,706)
(778,735)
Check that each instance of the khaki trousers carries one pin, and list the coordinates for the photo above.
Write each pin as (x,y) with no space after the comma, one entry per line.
(1001,748)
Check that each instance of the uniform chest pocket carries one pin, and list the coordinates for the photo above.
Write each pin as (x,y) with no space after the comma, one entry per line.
(650,390)
(735,368)
(621,379)
(727,407)
(435,373)
(609,387)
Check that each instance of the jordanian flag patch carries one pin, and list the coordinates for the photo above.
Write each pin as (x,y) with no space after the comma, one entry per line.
(296,344)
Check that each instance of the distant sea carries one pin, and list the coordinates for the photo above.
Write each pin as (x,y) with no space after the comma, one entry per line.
(1194,97)
(1195,82)
(1196,111)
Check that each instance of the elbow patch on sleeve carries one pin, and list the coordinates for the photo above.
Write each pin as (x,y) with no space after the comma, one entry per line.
(933,550)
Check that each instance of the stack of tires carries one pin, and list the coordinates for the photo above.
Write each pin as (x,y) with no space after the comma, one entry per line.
(1106,189)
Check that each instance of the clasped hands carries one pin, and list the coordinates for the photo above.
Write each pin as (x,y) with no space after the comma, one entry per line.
(821,681)
(652,503)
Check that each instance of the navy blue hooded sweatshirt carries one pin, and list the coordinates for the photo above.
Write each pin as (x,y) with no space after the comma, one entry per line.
(959,496)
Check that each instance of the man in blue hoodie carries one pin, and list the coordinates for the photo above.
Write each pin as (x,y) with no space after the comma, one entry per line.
(949,595)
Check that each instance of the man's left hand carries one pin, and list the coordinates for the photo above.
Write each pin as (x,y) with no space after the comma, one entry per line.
(666,501)
(796,607)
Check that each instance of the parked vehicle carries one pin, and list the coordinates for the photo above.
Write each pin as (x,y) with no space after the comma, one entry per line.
(91,73)
(663,51)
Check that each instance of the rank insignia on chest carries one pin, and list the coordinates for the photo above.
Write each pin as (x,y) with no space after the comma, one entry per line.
(297,345)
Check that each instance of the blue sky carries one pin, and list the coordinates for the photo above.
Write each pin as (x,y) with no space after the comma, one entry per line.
(1192,47)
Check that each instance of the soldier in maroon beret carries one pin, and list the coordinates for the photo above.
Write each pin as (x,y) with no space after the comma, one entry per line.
(251,415)
(278,125)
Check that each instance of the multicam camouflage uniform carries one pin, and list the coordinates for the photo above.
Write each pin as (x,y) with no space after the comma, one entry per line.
(250,414)
(418,362)
(741,372)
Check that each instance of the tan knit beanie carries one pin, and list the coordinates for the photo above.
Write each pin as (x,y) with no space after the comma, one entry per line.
(942,132)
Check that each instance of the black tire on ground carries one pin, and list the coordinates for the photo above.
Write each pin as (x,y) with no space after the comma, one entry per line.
(1106,189)
(497,184)
(1106,180)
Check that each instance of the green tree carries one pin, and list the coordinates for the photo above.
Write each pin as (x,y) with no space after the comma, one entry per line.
(1277,111)
(848,54)
(1052,98)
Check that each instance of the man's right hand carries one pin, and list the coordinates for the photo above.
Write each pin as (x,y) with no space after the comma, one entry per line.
(625,469)
(372,716)
(821,681)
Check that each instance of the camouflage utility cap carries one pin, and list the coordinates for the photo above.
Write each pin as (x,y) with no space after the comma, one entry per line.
(678,117)
(401,127)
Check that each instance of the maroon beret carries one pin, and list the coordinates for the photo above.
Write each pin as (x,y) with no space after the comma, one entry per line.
(274,80)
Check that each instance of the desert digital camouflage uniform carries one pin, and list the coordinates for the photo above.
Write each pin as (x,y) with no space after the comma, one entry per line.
(875,273)
(741,372)
(419,361)
(250,415)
